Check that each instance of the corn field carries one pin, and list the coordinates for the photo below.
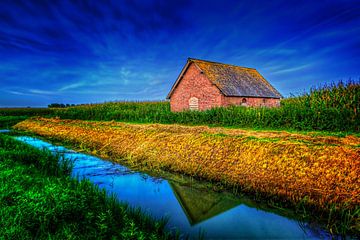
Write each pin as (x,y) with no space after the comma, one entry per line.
(333,107)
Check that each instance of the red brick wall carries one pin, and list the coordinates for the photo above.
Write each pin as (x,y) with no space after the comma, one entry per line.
(195,84)
(252,101)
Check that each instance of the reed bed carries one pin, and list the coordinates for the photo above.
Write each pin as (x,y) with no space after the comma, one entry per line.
(333,107)
(319,173)
(39,200)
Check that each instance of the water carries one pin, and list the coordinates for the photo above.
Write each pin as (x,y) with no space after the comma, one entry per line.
(191,210)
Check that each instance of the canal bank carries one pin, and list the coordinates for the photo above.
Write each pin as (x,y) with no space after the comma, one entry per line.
(317,173)
(192,210)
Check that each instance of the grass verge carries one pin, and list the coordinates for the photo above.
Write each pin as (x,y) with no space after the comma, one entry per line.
(316,175)
(39,200)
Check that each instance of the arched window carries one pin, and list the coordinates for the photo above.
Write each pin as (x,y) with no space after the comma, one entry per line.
(193,103)
(243,102)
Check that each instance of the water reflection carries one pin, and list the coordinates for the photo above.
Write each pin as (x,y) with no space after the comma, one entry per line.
(190,209)
(199,205)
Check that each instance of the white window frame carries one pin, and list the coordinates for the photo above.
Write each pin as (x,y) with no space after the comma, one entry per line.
(194,104)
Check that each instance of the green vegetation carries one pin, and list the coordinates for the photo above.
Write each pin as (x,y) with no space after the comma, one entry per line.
(25,111)
(60,105)
(39,200)
(11,116)
(8,121)
(333,107)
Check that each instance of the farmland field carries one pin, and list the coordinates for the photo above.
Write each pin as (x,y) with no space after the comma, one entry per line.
(327,108)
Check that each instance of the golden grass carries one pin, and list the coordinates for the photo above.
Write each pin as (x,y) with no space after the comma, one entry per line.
(325,170)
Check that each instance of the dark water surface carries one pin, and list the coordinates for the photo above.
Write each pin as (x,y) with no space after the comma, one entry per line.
(191,210)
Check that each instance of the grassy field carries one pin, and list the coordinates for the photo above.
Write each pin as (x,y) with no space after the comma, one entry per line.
(25,111)
(11,116)
(318,174)
(38,200)
(333,107)
(8,121)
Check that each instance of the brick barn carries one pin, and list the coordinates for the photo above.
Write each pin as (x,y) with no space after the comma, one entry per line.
(203,85)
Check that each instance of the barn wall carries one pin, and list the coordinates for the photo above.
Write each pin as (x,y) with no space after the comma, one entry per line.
(252,101)
(195,84)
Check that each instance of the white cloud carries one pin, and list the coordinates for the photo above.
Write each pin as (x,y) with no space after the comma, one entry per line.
(291,69)
(37,91)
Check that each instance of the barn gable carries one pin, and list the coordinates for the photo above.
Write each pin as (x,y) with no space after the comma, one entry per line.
(194,91)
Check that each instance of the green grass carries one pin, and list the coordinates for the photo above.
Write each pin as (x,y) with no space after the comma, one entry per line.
(333,108)
(25,111)
(8,121)
(11,116)
(38,200)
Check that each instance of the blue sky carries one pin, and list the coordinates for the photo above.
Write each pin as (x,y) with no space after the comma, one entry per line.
(96,51)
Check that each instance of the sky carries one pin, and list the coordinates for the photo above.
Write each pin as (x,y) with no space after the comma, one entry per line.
(75,52)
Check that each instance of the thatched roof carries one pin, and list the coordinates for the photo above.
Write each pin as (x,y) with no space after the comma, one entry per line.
(232,81)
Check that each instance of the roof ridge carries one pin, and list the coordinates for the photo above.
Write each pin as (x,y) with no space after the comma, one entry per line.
(201,60)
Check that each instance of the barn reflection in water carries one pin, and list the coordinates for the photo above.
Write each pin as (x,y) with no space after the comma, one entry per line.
(202,205)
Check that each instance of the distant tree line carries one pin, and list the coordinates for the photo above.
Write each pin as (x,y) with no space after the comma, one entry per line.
(60,105)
